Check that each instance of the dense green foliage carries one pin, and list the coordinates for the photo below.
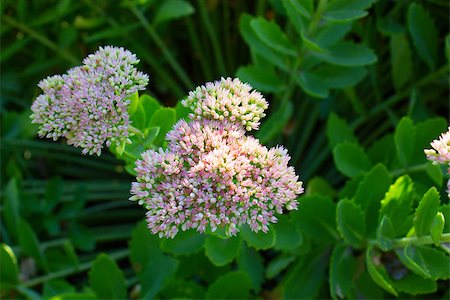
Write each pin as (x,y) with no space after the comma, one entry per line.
(357,90)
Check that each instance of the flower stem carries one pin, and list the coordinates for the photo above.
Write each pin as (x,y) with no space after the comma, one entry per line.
(411,169)
(136,131)
(40,38)
(421,240)
(157,39)
(72,270)
(213,37)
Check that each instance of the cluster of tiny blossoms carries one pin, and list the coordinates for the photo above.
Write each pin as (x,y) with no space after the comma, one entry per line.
(227,99)
(214,176)
(88,104)
(440,154)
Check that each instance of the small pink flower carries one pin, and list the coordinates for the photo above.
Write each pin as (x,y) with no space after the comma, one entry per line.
(227,99)
(88,105)
(441,149)
(212,175)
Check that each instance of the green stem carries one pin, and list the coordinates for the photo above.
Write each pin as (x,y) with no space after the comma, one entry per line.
(321,7)
(164,49)
(40,38)
(72,270)
(212,36)
(136,131)
(412,169)
(399,96)
(198,49)
(421,240)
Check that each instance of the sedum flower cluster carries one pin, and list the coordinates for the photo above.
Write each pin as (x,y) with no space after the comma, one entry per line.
(212,175)
(88,105)
(227,99)
(441,149)
(440,154)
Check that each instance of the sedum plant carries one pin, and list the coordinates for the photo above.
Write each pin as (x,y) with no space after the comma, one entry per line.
(211,176)
(339,76)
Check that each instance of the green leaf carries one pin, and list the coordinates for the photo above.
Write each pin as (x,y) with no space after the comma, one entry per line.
(414,285)
(311,45)
(397,205)
(251,262)
(437,228)
(339,131)
(426,211)
(30,244)
(57,286)
(10,271)
(401,60)
(317,218)
(383,151)
(134,103)
(272,35)
(348,54)
(344,15)
(155,274)
(53,193)
(423,33)
(413,260)
(164,118)
(258,240)
(445,210)
(313,85)
(143,246)
(378,273)
(350,4)
(106,279)
(150,135)
(259,46)
(28,293)
(173,9)
(82,237)
(351,224)
(147,106)
(151,107)
(330,33)
(233,285)
(385,234)
(321,186)
(343,266)
(288,235)
(304,8)
(405,137)
(350,159)
(221,251)
(181,111)
(436,261)
(426,131)
(75,296)
(184,243)
(337,77)
(299,12)
(435,173)
(390,25)
(261,78)
(273,125)
(182,289)
(10,210)
(278,264)
(310,272)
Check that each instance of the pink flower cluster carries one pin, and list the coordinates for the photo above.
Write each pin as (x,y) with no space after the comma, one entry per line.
(88,105)
(441,149)
(214,176)
(440,154)
(228,99)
